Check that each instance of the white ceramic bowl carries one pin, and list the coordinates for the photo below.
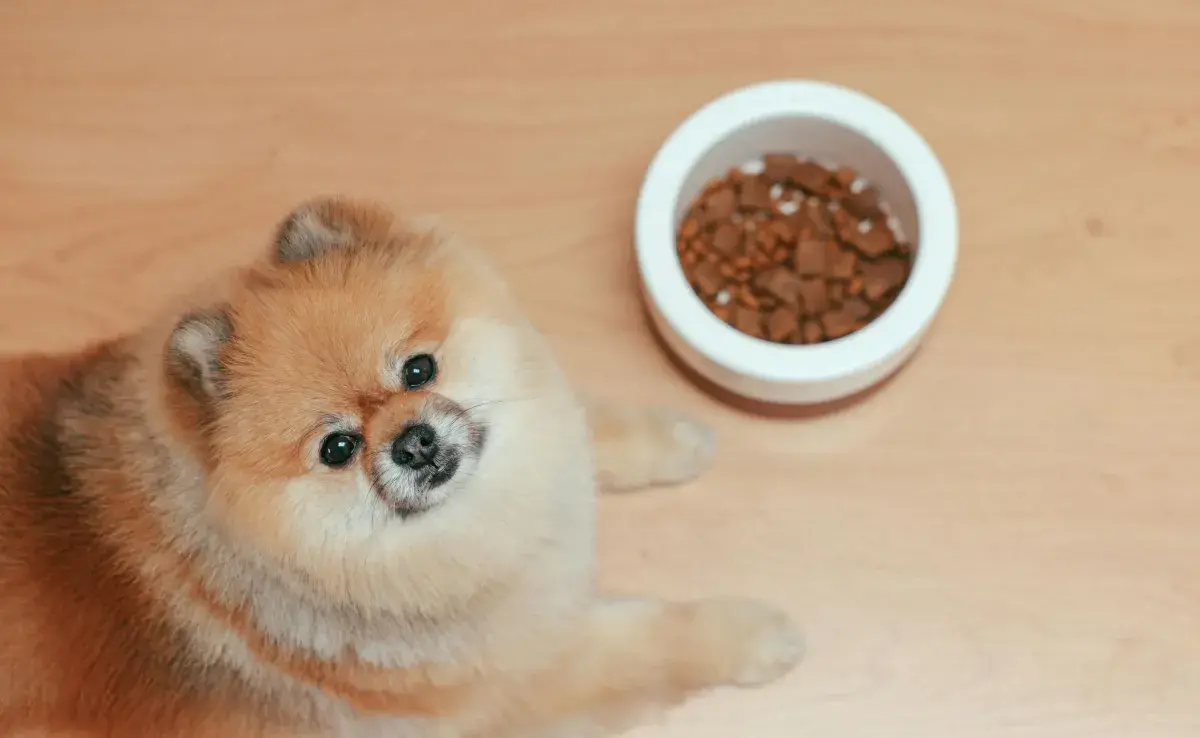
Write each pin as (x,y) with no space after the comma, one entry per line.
(829,124)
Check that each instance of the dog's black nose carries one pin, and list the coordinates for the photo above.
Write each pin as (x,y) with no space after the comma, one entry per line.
(416,447)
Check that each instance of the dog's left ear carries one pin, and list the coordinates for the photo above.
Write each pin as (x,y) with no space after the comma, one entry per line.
(325,224)
(194,352)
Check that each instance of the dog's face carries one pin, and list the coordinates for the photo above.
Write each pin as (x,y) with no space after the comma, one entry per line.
(357,385)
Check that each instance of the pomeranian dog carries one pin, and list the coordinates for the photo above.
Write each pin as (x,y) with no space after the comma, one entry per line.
(343,491)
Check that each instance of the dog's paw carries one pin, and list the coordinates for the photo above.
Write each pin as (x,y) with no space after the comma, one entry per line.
(746,643)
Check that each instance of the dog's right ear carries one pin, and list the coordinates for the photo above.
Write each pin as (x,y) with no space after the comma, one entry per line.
(194,352)
(325,224)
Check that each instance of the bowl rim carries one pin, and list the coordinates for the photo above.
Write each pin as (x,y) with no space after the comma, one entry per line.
(892,332)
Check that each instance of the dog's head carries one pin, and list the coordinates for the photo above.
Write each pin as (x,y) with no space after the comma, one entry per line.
(369,395)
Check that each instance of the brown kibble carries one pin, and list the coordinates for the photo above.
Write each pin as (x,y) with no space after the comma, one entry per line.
(727,238)
(780,283)
(720,204)
(846,226)
(877,241)
(813,333)
(783,230)
(838,323)
(857,308)
(748,321)
(840,263)
(777,167)
(811,177)
(864,204)
(782,323)
(756,194)
(765,238)
(814,294)
(883,276)
(802,276)
(746,299)
(885,303)
(820,218)
(810,257)
(707,278)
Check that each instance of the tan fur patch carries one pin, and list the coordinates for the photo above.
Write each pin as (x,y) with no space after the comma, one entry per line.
(177,561)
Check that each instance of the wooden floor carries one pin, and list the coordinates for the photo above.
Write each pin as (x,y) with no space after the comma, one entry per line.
(1003,542)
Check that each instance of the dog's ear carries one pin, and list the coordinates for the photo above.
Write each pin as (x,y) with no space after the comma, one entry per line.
(325,224)
(194,352)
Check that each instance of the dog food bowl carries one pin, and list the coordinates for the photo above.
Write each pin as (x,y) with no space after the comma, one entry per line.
(818,121)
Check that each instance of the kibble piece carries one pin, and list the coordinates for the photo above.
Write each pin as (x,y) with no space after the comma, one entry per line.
(780,283)
(720,204)
(848,228)
(840,263)
(782,323)
(810,257)
(756,194)
(813,333)
(690,228)
(707,277)
(747,299)
(777,167)
(748,321)
(815,295)
(837,293)
(838,323)
(845,177)
(783,230)
(883,276)
(811,177)
(727,238)
(854,287)
(820,218)
(876,242)
(885,303)
(864,204)
(857,308)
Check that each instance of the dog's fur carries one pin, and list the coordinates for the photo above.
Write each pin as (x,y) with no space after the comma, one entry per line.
(175,561)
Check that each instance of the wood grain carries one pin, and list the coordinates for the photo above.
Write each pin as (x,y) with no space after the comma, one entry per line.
(1003,542)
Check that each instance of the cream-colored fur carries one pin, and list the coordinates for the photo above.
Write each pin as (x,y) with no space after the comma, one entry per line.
(476,616)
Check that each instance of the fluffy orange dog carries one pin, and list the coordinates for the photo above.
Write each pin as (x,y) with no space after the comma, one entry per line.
(344,492)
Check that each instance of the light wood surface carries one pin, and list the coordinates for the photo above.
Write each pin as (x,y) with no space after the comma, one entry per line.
(1003,542)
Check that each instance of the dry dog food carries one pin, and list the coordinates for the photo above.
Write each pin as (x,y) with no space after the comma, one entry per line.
(789,251)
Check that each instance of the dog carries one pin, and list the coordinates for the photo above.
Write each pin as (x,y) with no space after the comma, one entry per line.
(343,491)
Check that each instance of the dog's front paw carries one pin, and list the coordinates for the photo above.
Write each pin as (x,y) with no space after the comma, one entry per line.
(745,643)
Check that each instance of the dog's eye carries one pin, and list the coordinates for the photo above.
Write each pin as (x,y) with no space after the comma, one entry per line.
(338,449)
(419,370)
